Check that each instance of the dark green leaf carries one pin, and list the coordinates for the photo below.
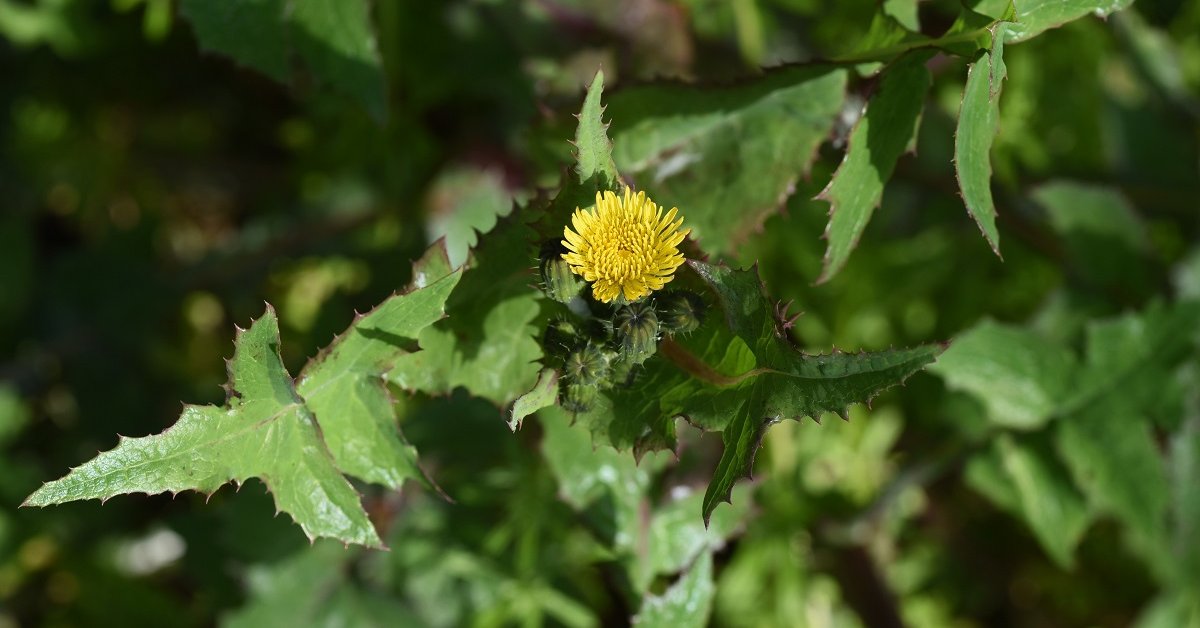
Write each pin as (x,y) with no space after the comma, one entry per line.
(333,37)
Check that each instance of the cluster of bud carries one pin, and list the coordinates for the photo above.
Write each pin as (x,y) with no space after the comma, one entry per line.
(601,352)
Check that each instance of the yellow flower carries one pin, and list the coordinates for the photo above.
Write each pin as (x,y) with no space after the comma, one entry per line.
(624,245)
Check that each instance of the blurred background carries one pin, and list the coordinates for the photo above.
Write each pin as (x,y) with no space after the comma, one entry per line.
(153,195)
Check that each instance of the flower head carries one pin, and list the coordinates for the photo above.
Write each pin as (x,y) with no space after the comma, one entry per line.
(624,245)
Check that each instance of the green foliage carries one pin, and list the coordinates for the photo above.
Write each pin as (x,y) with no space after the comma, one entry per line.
(728,157)
(333,38)
(887,127)
(265,431)
(977,125)
(1043,472)
(269,427)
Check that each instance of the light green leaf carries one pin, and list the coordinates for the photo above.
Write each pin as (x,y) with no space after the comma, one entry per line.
(1185,502)
(607,487)
(686,603)
(677,537)
(1104,435)
(463,203)
(728,156)
(1037,16)
(265,430)
(543,395)
(1026,478)
(904,12)
(1171,609)
(1020,377)
(344,385)
(879,138)
(333,37)
(1111,453)
(977,125)
(594,160)
(310,588)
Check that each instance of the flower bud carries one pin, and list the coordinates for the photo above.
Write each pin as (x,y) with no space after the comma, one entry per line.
(587,365)
(559,339)
(558,282)
(680,311)
(579,397)
(636,328)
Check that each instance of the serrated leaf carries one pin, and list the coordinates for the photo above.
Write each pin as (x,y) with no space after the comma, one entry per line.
(1020,376)
(726,156)
(787,384)
(879,138)
(594,161)
(685,603)
(488,342)
(265,431)
(1026,478)
(978,122)
(345,387)
(333,37)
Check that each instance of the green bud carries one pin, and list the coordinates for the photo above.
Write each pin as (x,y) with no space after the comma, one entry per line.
(636,328)
(558,282)
(579,397)
(587,365)
(680,311)
(559,339)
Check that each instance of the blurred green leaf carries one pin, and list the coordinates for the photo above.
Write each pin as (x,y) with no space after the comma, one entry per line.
(1105,238)
(1026,478)
(685,603)
(264,431)
(1021,377)
(333,37)
(727,157)
(886,128)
